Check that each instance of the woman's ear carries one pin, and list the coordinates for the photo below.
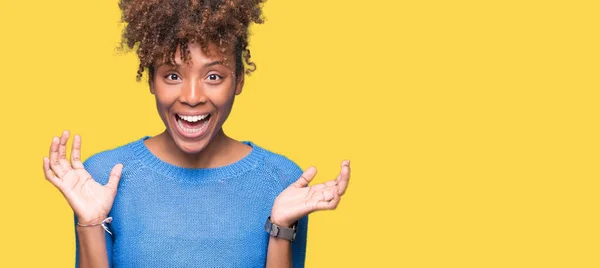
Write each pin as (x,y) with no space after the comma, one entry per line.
(240,84)
(151,81)
(151,85)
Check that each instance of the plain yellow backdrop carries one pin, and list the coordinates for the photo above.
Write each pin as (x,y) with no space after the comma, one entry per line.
(472,126)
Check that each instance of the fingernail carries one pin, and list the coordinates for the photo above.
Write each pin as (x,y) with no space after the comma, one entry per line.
(55,139)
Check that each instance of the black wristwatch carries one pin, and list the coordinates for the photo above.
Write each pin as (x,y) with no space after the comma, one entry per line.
(280,231)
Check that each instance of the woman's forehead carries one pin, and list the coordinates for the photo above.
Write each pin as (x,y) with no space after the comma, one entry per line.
(199,55)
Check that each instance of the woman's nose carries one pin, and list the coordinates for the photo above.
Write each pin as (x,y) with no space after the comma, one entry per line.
(193,94)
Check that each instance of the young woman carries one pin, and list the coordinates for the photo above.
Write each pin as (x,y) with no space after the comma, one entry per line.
(190,196)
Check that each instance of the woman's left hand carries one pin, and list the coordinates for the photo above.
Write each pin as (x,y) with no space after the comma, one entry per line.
(297,200)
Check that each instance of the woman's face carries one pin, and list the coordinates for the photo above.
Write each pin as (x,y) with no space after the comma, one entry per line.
(195,99)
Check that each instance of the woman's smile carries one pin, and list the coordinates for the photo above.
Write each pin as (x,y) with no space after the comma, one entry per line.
(192,126)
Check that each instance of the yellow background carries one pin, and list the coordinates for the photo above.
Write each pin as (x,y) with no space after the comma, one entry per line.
(472,126)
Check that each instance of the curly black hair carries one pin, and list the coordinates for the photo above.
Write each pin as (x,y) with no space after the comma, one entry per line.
(156,28)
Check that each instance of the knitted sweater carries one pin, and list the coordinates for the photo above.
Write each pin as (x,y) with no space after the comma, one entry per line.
(168,216)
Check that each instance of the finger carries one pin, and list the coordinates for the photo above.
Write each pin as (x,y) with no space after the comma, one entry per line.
(337,179)
(328,194)
(324,194)
(50,175)
(317,188)
(306,177)
(76,153)
(62,151)
(344,177)
(115,177)
(331,183)
(54,163)
(330,201)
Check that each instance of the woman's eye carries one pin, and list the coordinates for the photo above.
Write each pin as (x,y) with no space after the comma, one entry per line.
(214,77)
(172,77)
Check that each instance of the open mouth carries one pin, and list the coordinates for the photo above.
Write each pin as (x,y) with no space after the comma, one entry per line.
(192,125)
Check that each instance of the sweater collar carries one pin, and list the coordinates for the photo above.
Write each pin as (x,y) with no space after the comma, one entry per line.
(148,159)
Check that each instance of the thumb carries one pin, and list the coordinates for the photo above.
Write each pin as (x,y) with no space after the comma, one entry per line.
(306,177)
(115,177)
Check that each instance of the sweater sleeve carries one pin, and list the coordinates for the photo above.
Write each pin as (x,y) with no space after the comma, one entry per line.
(99,167)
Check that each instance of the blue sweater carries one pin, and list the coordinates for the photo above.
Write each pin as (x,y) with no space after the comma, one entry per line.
(168,216)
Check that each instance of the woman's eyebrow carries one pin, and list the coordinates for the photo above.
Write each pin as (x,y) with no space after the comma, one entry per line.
(177,66)
(170,66)
(218,62)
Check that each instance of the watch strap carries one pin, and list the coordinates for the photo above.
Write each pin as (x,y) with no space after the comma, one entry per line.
(281,231)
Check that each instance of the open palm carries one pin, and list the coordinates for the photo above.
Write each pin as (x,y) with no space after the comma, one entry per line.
(297,200)
(89,200)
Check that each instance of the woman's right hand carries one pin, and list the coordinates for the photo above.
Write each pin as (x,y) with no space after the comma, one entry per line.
(89,200)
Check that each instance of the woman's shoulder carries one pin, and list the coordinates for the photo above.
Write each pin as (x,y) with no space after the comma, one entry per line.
(100,164)
(273,158)
(282,165)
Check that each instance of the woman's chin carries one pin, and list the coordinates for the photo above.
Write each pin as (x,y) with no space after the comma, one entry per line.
(191,147)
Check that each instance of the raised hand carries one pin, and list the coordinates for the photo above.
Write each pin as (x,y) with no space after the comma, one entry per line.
(90,201)
(297,200)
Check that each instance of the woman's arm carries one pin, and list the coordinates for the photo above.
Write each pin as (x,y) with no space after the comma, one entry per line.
(90,201)
(92,247)
(279,253)
(299,200)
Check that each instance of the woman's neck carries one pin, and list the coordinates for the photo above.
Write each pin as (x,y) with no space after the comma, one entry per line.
(220,151)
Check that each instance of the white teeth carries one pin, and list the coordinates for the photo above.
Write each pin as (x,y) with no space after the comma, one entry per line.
(203,126)
(194,118)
